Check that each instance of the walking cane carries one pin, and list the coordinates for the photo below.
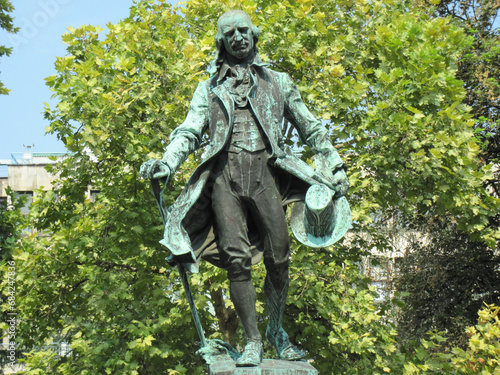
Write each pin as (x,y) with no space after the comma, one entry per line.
(158,192)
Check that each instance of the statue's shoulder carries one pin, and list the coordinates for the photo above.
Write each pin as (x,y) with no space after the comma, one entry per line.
(272,72)
(204,87)
(209,82)
(281,79)
(274,76)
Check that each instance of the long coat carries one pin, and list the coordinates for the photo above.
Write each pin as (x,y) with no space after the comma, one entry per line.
(189,232)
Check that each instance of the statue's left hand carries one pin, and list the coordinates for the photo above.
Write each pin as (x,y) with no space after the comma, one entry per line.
(340,182)
(155,169)
(328,166)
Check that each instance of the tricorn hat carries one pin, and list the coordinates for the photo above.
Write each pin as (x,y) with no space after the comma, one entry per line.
(322,219)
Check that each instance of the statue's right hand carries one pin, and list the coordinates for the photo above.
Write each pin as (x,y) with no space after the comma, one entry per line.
(155,169)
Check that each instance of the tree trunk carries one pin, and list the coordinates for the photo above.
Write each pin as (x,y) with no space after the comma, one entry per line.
(228,320)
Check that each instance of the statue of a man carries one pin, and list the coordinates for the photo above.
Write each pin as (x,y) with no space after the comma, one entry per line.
(232,210)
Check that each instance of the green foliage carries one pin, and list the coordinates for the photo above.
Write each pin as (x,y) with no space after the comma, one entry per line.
(381,75)
(5,18)
(450,276)
(479,68)
(447,278)
(7,25)
(12,222)
(101,284)
(331,315)
(482,355)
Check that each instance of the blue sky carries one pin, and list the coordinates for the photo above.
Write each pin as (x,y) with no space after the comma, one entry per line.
(42,23)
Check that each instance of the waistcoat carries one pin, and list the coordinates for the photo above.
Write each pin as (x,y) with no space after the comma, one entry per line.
(246,134)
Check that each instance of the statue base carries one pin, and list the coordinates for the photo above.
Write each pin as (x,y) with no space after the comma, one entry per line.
(267,367)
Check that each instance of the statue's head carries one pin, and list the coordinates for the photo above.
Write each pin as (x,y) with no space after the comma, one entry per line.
(236,34)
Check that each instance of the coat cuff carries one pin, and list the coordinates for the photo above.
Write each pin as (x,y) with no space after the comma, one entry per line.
(334,161)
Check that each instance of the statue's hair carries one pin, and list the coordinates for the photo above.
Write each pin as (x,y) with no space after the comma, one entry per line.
(219,35)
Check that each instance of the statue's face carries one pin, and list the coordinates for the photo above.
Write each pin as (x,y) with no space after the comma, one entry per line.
(237,36)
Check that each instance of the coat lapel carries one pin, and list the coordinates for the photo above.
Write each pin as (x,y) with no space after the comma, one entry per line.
(226,100)
(222,129)
(265,106)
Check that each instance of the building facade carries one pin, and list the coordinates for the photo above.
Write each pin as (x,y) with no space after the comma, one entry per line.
(25,173)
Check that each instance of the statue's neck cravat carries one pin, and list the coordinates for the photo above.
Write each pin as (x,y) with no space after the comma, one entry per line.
(239,82)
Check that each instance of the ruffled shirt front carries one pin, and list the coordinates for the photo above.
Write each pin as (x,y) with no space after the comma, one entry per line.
(239,79)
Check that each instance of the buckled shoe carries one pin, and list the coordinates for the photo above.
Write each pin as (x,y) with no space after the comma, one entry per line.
(252,355)
(286,350)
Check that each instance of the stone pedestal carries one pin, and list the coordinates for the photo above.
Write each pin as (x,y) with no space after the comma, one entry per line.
(267,367)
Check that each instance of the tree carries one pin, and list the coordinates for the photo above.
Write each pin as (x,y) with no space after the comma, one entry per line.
(434,356)
(12,223)
(479,68)
(382,77)
(6,23)
(448,279)
(443,296)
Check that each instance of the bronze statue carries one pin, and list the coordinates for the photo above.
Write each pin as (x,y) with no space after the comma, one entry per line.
(231,213)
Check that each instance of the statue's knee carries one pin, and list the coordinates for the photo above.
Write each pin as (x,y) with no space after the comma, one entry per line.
(275,264)
(240,270)
(277,253)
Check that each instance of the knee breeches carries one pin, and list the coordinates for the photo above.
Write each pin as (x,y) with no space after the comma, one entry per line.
(244,189)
